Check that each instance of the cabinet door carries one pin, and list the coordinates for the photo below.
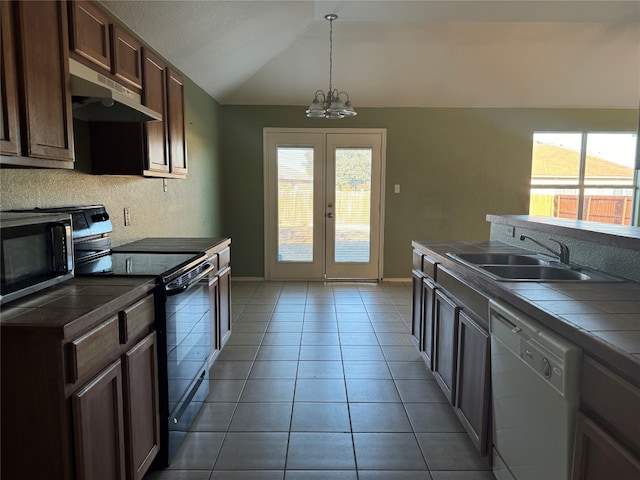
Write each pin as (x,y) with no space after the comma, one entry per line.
(224,304)
(47,122)
(445,343)
(127,56)
(472,385)
(154,96)
(416,311)
(99,427)
(598,456)
(214,303)
(9,129)
(175,123)
(428,296)
(89,33)
(142,414)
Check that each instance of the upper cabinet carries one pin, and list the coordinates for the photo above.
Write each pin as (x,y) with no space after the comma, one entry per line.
(37,124)
(127,56)
(36,118)
(89,34)
(100,42)
(152,149)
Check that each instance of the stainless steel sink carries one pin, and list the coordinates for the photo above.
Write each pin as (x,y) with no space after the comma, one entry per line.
(516,267)
(535,272)
(500,259)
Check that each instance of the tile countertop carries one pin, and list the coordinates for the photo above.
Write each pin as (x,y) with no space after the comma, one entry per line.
(174,245)
(602,318)
(76,305)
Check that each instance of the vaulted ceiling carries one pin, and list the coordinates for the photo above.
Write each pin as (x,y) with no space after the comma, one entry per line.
(450,53)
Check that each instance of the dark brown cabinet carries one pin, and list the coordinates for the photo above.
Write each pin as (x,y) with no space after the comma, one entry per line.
(99,376)
(450,316)
(142,420)
(154,96)
(472,382)
(89,33)
(152,149)
(428,303)
(98,407)
(599,456)
(42,77)
(607,426)
(9,128)
(445,344)
(417,316)
(175,123)
(224,304)
(127,56)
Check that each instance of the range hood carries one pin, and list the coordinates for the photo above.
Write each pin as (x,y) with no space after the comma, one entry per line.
(96,98)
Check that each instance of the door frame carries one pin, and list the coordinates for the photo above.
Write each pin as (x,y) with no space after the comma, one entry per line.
(266,198)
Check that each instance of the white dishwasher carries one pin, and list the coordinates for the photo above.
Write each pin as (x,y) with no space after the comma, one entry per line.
(535,388)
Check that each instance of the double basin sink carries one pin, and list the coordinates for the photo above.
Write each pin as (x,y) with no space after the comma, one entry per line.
(515,267)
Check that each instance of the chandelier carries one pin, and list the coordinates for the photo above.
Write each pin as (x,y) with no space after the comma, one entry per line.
(332,104)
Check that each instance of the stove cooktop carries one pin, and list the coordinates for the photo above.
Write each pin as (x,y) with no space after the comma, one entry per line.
(142,264)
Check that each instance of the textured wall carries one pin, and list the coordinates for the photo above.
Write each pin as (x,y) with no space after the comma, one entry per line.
(453,165)
(191,207)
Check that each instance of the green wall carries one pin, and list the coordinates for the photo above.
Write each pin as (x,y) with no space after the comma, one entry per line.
(191,207)
(453,165)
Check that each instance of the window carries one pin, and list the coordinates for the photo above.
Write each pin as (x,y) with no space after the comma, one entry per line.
(583,175)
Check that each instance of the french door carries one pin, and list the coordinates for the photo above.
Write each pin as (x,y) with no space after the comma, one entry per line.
(323,205)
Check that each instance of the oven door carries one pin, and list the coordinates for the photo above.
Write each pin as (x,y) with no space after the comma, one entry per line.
(186,335)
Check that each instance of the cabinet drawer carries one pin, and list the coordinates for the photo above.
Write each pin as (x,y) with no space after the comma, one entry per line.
(417,260)
(471,299)
(224,258)
(613,401)
(136,319)
(92,350)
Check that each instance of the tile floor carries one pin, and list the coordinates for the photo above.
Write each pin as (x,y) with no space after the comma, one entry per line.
(322,381)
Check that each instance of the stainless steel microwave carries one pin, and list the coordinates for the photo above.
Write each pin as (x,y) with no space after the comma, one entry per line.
(36,251)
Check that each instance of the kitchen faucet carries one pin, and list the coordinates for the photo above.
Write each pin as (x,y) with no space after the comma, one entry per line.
(564,249)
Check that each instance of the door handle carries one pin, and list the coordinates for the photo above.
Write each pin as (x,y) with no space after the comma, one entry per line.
(330,215)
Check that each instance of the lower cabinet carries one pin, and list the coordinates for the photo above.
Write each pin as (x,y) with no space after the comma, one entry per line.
(449,331)
(99,427)
(82,406)
(473,385)
(224,304)
(607,440)
(116,419)
(445,344)
(428,304)
(142,420)
(599,456)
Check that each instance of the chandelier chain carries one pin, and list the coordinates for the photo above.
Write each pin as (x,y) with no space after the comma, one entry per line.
(330,55)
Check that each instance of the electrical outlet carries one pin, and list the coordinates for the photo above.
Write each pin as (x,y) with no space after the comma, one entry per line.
(396,188)
(511,231)
(165,185)
(127,217)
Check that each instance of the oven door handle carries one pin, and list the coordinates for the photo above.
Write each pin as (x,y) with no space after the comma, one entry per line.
(175,291)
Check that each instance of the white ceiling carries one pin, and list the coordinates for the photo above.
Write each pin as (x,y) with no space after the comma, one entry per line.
(450,53)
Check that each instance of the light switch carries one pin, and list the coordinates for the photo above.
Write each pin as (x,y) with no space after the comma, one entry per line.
(396,188)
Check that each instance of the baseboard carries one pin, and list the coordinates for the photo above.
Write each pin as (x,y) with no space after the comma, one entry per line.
(404,280)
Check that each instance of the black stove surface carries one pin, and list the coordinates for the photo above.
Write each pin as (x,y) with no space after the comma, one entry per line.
(142,264)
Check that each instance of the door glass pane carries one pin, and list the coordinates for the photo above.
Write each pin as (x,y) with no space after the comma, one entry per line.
(295,204)
(556,158)
(353,204)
